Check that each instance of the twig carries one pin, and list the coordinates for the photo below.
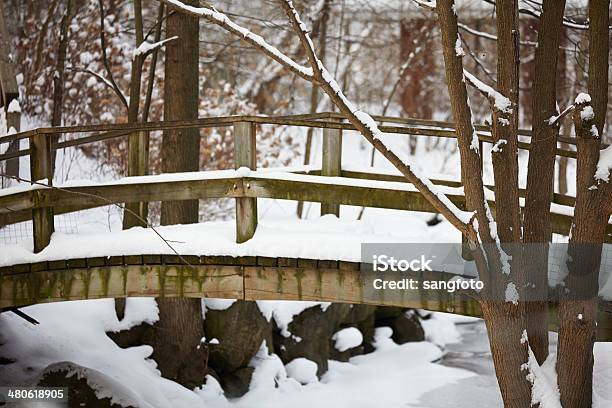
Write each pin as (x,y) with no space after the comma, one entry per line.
(109,71)
(99,76)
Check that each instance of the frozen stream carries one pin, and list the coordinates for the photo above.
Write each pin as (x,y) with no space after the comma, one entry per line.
(472,353)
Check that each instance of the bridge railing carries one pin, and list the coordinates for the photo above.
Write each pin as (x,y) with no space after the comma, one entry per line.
(41,201)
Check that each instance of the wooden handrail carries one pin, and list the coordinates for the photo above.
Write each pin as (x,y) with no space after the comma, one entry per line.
(417,127)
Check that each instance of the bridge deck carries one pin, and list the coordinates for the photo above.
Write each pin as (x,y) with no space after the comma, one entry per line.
(246,278)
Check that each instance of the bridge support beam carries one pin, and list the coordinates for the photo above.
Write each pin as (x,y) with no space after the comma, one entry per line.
(40,170)
(136,214)
(245,155)
(331,163)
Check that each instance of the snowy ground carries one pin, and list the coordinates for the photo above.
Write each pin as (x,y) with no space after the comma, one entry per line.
(452,368)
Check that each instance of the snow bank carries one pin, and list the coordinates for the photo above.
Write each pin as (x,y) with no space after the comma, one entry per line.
(440,328)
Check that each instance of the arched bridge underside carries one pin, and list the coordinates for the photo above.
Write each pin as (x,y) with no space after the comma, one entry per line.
(247,278)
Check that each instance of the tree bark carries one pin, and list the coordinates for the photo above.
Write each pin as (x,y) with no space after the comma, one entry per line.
(177,341)
(505,160)
(578,306)
(540,176)
(314,92)
(504,319)
(58,77)
(136,214)
(181,148)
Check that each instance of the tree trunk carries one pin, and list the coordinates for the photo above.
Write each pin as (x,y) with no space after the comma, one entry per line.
(135,214)
(177,341)
(578,306)
(58,77)
(181,327)
(314,92)
(181,147)
(504,319)
(540,176)
(505,325)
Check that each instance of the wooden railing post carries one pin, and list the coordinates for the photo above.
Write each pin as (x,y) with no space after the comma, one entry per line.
(40,169)
(331,163)
(138,160)
(245,155)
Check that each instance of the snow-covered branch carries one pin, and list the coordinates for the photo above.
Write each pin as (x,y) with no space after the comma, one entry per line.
(220,19)
(554,120)
(429,5)
(364,123)
(489,36)
(498,101)
(146,47)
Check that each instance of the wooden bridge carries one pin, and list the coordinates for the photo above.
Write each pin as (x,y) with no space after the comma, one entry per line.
(197,275)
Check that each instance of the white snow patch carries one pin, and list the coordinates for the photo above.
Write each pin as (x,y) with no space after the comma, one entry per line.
(543,378)
(14,107)
(497,147)
(440,328)
(382,338)
(302,370)
(512,295)
(283,312)
(582,98)
(218,304)
(587,113)
(458,48)
(347,338)
(604,165)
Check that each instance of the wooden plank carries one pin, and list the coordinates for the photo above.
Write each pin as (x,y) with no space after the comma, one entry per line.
(136,213)
(369,197)
(40,169)
(561,199)
(245,155)
(333,285)
(99,195)
(422,128)
(331,164)
(121,281)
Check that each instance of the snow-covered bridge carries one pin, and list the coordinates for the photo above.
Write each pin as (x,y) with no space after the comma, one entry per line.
(245,259)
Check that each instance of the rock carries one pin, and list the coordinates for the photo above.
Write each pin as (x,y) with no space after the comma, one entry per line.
(236,383)
(240,330)
(361,317)
(346,343)
(405,323)
(311,335)
(407,328)
(74,377)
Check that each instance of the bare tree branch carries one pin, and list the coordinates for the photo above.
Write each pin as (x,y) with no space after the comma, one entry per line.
(363,122)
(99,76)
(107,66)
(368,128)
(220,19)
